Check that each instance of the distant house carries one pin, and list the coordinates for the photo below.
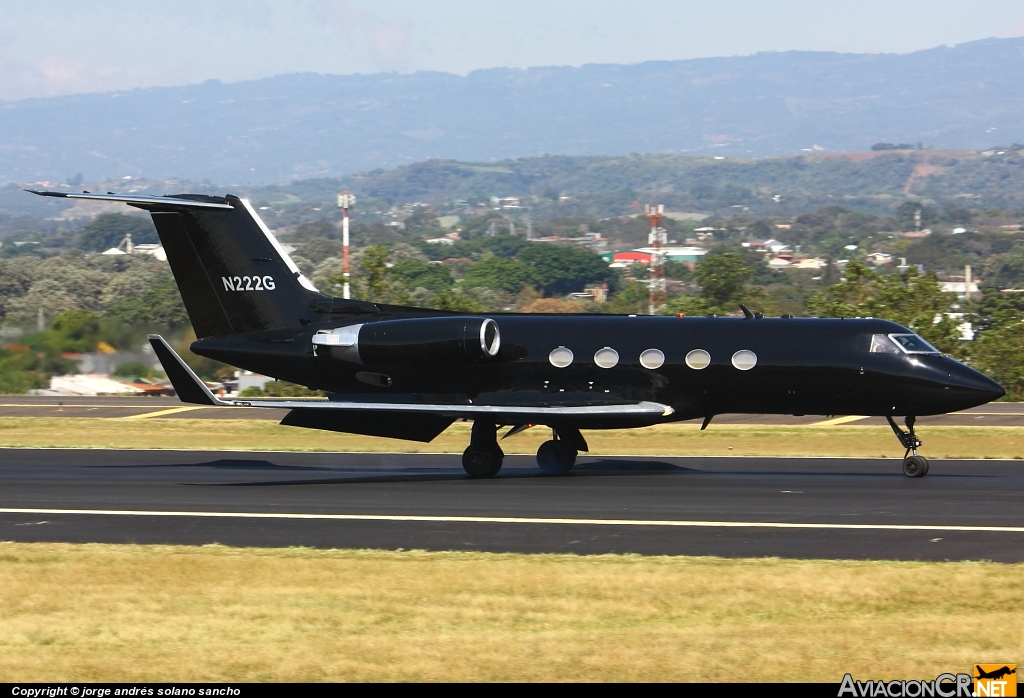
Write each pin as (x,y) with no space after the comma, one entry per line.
(783,261)
(960,288)
(770,245)
(689,255)
(809,263)
(879,258)
(631,257)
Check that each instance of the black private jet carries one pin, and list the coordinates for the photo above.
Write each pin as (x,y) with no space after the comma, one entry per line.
(408,373)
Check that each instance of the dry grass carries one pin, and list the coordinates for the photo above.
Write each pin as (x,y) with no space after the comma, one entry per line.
(118,613)
(664,440)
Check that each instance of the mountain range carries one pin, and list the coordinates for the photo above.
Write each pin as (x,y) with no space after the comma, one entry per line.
(302,126)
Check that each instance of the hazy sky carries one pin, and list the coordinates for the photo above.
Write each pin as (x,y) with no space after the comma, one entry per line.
(50,47)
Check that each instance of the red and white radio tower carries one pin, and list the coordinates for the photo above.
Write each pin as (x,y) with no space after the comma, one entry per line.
(657,239)
(345,201)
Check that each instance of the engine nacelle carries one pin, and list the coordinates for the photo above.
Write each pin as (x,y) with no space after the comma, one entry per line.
(456,339)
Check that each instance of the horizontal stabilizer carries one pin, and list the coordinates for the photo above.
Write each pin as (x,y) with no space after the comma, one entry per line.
(138,199)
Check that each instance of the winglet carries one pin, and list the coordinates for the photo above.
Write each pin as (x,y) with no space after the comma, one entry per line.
(186,383)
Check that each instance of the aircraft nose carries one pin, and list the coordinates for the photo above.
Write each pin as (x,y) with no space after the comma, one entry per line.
(973,386)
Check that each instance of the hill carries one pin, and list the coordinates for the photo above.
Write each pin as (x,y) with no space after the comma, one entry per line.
(304,126)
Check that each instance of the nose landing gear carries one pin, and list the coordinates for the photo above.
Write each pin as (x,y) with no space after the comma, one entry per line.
(913,465)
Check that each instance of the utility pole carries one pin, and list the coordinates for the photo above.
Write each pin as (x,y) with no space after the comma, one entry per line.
(345,201)
(657,238)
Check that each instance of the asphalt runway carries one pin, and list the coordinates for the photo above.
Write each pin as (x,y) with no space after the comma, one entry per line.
(787,507)
(992,414)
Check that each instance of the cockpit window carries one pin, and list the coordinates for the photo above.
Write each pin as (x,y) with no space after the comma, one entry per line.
(881,344)
(912,344)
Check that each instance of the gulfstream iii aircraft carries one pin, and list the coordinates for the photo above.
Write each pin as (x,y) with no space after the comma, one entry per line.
(408,373)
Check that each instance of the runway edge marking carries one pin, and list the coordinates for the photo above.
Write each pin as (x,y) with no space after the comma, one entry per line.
(513,520)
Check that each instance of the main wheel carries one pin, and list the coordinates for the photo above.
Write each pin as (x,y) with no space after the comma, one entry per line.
(556,457)
(480,464)
(915,466)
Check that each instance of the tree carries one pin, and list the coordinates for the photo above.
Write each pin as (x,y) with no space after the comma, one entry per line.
(910,299)
(416,274)
(74,330)
(632,299)
(314,230)
(723,280)
(560,270)
(999,353)
(509,275)
(453,299)
(552,305)
(108,230)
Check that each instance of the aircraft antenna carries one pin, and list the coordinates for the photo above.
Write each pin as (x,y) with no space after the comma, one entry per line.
(654,214)
(345,201)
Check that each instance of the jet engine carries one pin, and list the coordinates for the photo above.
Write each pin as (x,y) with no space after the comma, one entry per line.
(456,339)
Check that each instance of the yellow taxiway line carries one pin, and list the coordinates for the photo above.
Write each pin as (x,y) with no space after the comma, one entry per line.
(514,520)
(161,413)
(837,420)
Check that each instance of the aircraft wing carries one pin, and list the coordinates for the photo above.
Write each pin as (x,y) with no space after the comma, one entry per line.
(190,389)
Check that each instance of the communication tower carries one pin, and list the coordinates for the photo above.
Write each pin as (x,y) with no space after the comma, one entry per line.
(657,239)
(345,202)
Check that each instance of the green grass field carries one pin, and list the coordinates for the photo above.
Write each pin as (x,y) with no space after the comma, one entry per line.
(662,440)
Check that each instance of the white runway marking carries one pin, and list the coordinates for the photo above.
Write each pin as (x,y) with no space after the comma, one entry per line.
(514,520)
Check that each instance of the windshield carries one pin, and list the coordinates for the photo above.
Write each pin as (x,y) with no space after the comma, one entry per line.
(912,344)
(881,344)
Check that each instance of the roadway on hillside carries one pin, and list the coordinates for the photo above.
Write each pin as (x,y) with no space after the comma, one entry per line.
(788,507)
(992,414)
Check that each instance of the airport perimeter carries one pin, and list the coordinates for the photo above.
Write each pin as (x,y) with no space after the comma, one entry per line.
(196,547)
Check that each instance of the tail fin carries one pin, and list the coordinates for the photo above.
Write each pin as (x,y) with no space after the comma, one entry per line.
(232,273)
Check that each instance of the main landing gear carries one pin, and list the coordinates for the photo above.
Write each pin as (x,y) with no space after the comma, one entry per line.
(913,465)
(555,457)
(483,457)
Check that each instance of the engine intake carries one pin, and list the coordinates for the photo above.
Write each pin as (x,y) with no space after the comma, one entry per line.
(416,340)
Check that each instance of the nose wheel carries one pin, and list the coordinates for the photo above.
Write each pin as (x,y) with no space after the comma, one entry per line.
(913,464)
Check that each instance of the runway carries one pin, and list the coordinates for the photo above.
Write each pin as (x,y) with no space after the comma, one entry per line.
(992,414)
(796,508)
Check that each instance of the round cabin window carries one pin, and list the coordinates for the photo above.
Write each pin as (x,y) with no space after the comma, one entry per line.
(652,358)
(698,359)
(606,358)
(744,359)
(560,357)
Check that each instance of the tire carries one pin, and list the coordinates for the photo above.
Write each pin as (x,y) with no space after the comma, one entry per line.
(556,457)
(480,464)
(915,466)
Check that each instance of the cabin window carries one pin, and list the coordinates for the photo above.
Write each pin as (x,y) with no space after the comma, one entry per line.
(560,357)
(606,358)
(912,344)
(652,358)
(744,359)
(881,344)
(698,359)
